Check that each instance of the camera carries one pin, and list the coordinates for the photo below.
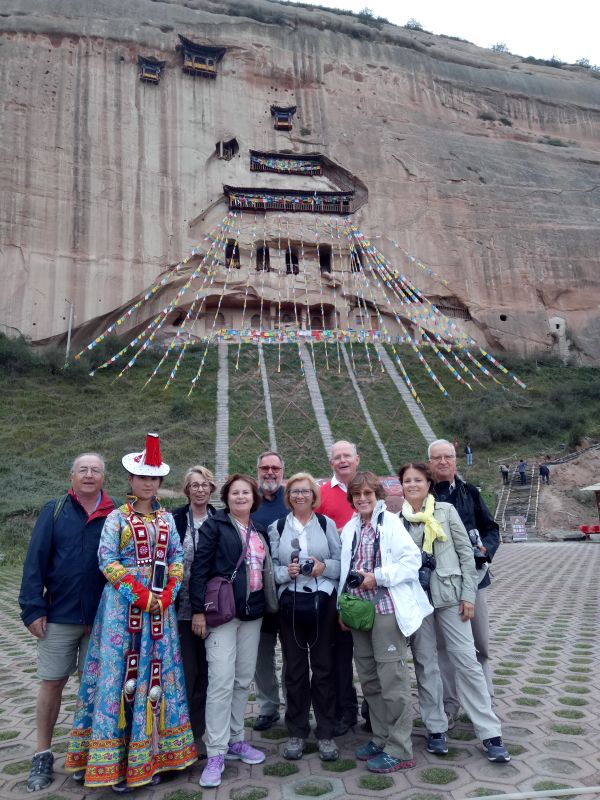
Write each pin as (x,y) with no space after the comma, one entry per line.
(306,567)
(476,543)
(354,579)
(427,567)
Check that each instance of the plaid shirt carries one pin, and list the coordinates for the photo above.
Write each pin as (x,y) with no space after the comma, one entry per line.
(255,557)
(364,559)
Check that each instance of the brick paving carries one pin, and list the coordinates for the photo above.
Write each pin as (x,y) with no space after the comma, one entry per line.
(545,649)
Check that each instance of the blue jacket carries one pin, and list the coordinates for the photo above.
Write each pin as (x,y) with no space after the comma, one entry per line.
(61,578)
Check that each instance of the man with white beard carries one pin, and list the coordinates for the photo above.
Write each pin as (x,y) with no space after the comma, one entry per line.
(270,467)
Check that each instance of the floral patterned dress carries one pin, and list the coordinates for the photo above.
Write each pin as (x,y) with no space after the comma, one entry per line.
(112,740)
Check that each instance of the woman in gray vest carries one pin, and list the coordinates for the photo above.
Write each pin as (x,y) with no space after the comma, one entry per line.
(306,561)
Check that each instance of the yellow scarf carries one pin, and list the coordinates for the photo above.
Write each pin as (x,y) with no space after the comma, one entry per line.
(433,529)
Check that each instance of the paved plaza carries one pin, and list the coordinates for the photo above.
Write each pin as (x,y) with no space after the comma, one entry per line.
(544,604)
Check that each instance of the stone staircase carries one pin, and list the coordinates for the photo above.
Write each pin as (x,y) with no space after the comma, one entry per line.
(222,423)
(316,399)
(411,404)
(519,500)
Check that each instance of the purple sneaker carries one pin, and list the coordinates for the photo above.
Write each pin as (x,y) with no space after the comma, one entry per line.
(242,751)
(211,774)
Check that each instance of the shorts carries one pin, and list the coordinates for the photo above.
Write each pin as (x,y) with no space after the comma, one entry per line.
(62,651)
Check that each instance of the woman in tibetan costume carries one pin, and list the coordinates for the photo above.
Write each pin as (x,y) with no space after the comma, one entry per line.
(131,720)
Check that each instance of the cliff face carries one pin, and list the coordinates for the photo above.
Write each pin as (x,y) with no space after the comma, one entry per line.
(106,180)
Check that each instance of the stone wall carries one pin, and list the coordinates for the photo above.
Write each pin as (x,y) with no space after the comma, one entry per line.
(106,180)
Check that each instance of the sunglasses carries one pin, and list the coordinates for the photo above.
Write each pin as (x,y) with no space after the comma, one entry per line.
(295,556)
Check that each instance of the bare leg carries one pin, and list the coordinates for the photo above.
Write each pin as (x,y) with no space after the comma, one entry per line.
(47,710)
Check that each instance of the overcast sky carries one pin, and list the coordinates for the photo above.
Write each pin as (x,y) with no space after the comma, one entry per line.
(541,28)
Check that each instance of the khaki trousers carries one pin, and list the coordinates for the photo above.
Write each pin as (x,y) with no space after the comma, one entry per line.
(380,658)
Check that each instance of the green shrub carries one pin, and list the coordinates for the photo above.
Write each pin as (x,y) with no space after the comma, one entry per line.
(487,116)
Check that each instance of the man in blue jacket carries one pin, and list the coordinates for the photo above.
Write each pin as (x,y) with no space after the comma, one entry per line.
(484,534)
(60,592)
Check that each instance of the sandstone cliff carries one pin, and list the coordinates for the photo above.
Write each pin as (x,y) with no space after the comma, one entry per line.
(106,180)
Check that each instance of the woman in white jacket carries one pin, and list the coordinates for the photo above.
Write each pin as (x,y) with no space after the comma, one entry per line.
(379,555)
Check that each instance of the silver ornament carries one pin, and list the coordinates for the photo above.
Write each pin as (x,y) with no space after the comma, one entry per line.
(155,693)
(130,685)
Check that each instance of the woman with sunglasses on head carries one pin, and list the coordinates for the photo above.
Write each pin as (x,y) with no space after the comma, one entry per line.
(306,559)
(380,567)
(232,547)
(198,485)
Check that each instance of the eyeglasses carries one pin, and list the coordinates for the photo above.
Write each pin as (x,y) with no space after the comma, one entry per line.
(268,468)
(443,458)
(300,492)
(86,470)
(195,487)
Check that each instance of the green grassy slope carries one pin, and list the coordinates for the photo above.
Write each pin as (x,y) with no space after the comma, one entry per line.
(47,416)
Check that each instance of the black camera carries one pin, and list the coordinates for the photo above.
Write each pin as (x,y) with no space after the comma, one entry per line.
(476,543)
(427,567)
(354,579)
(306,567)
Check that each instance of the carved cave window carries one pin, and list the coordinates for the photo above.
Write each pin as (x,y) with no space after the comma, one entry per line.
(291,261)
(263,259)
(325,258)
(356,261)
(227,150)
(232,254)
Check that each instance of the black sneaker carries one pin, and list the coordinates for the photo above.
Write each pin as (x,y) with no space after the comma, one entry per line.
(264,721)
(496,751)
(436,744)
(42,771)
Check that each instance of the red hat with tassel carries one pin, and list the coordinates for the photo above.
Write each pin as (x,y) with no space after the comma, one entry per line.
(149,461)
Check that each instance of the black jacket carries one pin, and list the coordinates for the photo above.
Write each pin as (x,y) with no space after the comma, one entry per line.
(180,515)
(218,549)
(61,577)
(474,513)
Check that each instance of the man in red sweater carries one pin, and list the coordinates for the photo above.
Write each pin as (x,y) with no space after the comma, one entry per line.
(344,461)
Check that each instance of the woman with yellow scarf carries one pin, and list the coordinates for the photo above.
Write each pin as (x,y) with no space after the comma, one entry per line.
(450,579)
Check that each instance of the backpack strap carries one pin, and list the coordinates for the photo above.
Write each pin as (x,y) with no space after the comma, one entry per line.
(322,521)
(58,507)
(281,525)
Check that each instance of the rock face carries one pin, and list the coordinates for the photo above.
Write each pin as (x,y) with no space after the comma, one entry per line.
(484,167)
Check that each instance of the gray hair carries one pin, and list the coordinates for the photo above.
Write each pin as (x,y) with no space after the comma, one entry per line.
(269,453)
(343,441)
(88,455)
(440,441)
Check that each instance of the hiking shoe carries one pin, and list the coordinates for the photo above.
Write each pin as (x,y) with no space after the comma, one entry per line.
(211,774)
(387,763)
(437,744)
(453,717)
(328,750)
(78,777)
(121,788)
(264,721)
(242,751)
(342,726)
(42,771)
(496,751)
(294,748)
(367,751)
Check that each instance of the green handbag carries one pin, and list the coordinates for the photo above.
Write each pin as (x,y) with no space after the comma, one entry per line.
(356,613)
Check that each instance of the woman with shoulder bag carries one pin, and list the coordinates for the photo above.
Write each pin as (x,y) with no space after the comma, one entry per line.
(306,559)
(451,579)
(198,485)
(231,550)
(380,565)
